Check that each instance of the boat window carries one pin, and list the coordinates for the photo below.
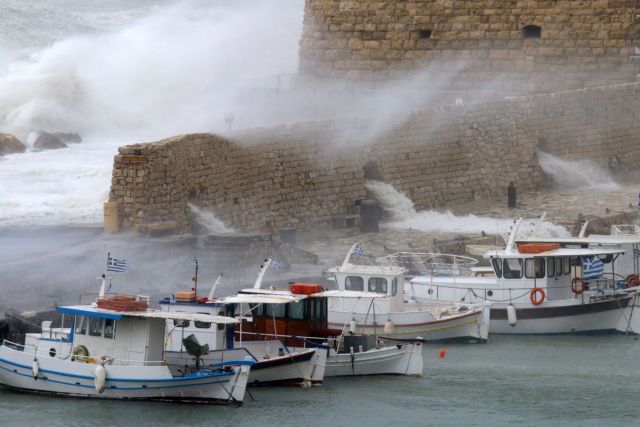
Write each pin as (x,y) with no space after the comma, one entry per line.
(296,310)
(558,266)
(181,323)
(354,283)
(109,328)
(320,308)
(201,325)
(394,286)
(275,310)
(534,268)
(378,284)
(512,268)
(497,267)
(551,267)
(257,309)
(95,326)
(566,264)
(81,325)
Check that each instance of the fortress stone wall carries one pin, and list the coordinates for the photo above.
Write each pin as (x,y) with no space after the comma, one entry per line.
(517,46)
(306,174)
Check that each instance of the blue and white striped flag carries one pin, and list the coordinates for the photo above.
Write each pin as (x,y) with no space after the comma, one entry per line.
(358,250)
(117,265)
(276,264)
(592,268)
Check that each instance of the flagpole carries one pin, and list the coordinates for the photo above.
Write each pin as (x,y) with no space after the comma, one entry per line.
(103,284)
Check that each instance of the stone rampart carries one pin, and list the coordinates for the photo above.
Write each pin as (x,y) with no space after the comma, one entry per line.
(514,45)
(306,174)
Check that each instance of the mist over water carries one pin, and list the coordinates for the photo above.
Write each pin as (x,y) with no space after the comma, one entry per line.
(208,220)
(576,174)
(404,215)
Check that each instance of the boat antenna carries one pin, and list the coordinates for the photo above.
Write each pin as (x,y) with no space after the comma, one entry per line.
(263,270)
(512,235)
(215,285)
(195,277)
(345,263)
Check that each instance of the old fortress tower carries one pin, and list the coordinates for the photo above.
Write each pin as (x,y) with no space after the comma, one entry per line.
(530,45)
(571,64)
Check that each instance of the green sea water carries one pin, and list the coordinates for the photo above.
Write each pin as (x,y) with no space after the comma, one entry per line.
(531,381)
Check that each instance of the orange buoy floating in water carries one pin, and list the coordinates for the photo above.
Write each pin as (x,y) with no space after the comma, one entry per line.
(442,353)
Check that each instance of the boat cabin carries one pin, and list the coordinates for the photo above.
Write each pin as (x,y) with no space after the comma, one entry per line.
(384,280)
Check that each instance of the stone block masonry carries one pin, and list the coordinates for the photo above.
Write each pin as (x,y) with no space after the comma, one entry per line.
(306,174)
(532,45)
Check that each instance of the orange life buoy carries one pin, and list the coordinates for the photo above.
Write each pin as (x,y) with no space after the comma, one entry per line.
(533,296)
(632,280)
(578,285)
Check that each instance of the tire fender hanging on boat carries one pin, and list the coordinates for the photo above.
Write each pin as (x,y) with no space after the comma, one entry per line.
(632,280)
(100,375)
(533,296)
(578,285)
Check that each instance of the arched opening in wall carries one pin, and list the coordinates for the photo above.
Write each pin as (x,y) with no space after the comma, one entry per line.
(531,32)
(424,33)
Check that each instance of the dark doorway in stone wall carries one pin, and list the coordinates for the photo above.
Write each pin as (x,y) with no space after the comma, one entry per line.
(372,171)
(425,33)
(531,32)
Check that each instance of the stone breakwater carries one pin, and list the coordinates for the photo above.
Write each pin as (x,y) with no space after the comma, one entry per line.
(305,175)
(517,46)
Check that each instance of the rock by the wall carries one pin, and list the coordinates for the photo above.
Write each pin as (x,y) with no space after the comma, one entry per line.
(47,141)
(9,144)
(307,174)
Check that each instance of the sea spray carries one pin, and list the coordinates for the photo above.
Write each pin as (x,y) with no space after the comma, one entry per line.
(404,215)
(576,174)
(209,221)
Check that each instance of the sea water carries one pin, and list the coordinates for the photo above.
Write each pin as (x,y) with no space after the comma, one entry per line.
(531,381)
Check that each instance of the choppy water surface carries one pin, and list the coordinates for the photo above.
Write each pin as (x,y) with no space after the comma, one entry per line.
(563,380)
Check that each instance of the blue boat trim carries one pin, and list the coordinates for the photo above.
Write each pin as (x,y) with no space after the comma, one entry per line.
(234,362)
(89,312)
(40,378)
(193,376)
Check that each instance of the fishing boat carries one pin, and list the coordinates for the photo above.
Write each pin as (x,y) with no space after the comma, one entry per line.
(274,362)
(298,317)
(541,288)
(114,349)
(400,315)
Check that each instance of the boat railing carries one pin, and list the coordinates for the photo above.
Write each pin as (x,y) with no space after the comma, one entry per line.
(434,264)
(625,229)
(303,339)
(106,360)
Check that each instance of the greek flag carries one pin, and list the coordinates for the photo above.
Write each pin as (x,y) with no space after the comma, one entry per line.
(276,264)
(358,250)
(592,268)
(117,265)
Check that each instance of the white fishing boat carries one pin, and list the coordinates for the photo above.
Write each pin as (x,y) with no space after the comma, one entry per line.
(114,349)
(541,288)
(401,315)
(275,363)
(297,317)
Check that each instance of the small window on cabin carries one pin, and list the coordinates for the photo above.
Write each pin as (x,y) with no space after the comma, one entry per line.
(201,325)
(566,264)
(512,268)
(394,286)
(534,268)
(320,309)
(354,283)
(425,33)
(558,266)
(109,328)
(275,310)
(296,310)
(220,326)
(497,267)
(181,323)
(531,32)
(95,327)
(378,284)
(257,309)
(81,325)
(551,267)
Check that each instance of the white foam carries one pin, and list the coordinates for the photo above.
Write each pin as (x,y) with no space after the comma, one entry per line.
(576,174)
(405,216)
(207,219)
